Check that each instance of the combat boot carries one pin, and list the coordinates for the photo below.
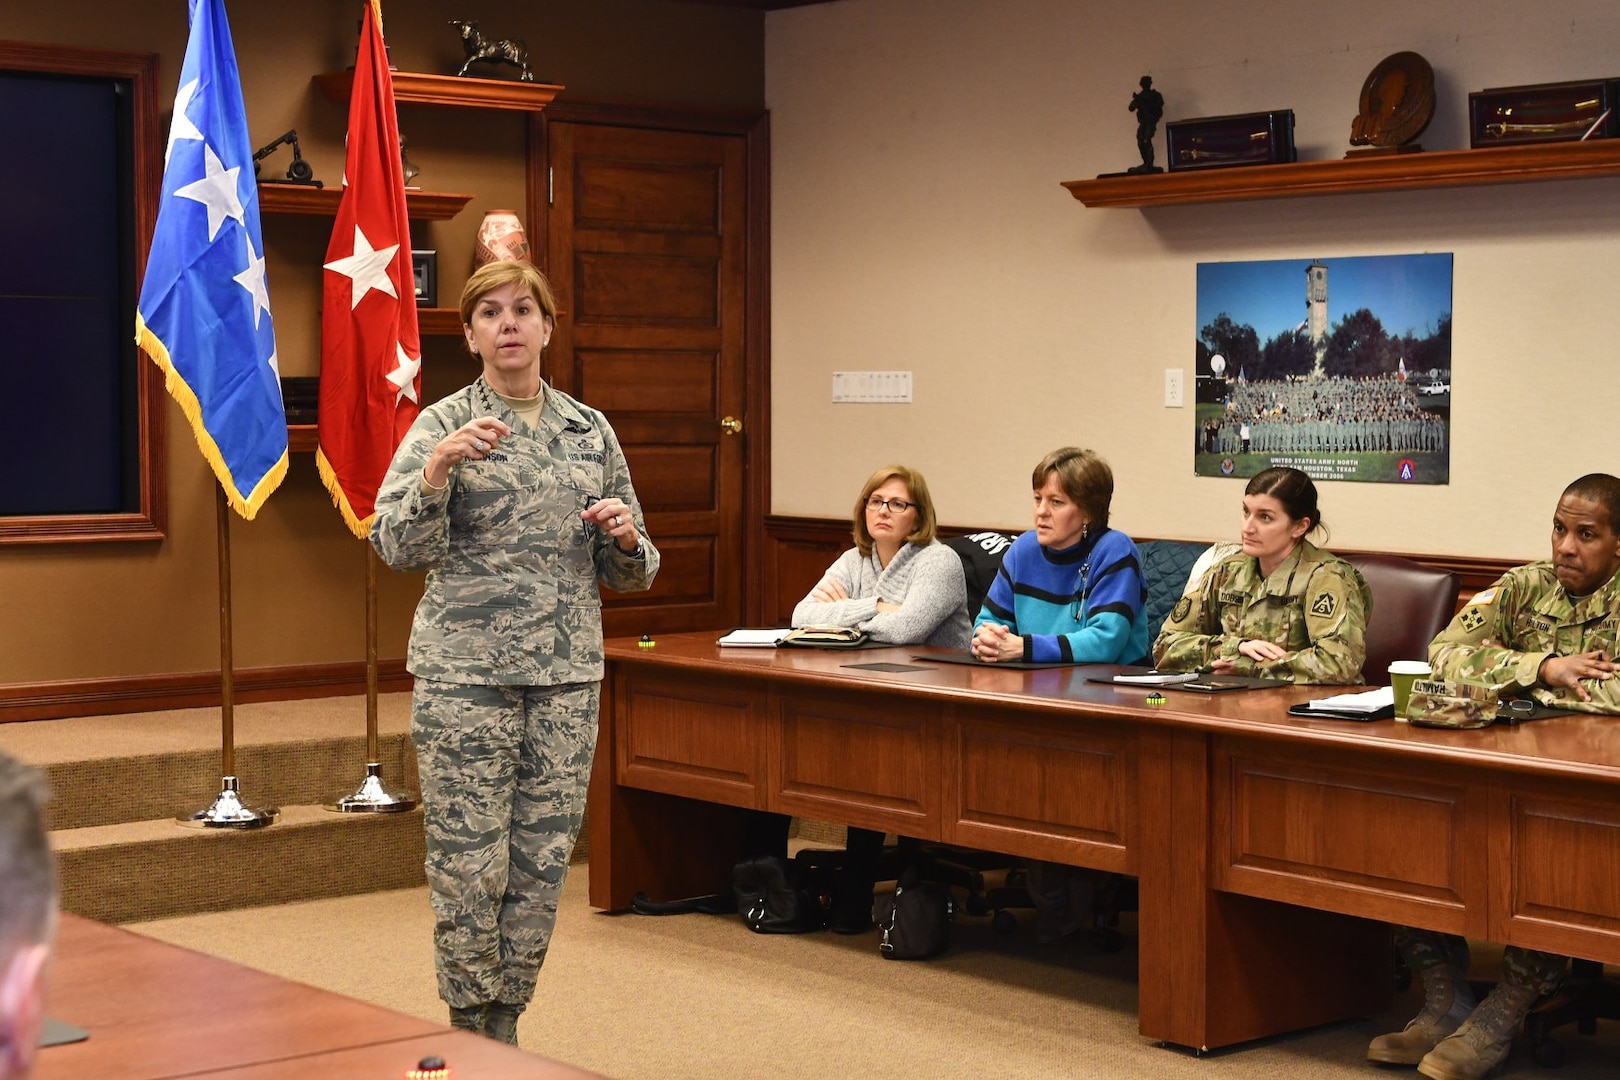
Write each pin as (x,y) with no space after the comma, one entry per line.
(1447,1001)
(1483,1041)
(468,1017)
(500,1023)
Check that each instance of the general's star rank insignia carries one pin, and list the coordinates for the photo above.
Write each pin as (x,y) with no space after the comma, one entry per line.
(1471,618)
(1324,605)
(1183,606)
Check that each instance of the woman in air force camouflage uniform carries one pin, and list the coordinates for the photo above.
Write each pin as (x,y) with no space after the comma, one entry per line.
(1282,608)
(517,501)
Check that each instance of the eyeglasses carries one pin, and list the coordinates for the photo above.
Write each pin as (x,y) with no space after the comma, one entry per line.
(894,506)
(1518,707)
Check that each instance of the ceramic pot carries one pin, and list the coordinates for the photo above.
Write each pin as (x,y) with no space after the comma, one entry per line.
(500,236)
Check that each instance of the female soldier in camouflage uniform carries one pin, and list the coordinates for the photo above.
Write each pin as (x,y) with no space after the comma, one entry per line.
(1282,608)
(517,501)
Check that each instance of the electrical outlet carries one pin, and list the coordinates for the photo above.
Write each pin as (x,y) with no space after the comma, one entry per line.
(1174,388)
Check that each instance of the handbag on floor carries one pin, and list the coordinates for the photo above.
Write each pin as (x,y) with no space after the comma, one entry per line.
(915,921)
(774,896)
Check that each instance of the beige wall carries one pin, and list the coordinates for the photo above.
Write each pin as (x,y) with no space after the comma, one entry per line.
(108,610)
(918,224)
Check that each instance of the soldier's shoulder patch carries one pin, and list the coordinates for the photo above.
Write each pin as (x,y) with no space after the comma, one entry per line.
(1183,606)
(1484,596)
(1324,605)
(1471,618)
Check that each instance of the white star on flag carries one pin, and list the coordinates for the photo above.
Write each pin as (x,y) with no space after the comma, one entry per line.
(252,279)
(404,376)
(367,268)
(217,191)
(181,126)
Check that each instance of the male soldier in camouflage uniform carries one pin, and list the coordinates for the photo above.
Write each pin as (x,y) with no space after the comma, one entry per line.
(1546,630)
(517,501)
(1309,614)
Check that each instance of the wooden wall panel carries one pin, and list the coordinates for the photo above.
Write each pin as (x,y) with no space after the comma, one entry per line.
(1073,787)
(620,381)
(665,198)
(1402,844)
(674,480)
(880,769)
(715,752)
(648,288)
(1566,905)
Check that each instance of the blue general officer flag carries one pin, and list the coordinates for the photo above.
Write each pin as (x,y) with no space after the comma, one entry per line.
(204,313)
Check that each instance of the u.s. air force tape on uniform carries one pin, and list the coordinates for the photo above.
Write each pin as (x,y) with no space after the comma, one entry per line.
(1442,703)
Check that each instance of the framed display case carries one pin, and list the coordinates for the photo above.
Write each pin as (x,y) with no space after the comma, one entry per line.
(1219,142)
(1545,112)
(425,269)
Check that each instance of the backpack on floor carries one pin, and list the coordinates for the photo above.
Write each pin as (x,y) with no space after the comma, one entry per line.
(915,921)
(774,896)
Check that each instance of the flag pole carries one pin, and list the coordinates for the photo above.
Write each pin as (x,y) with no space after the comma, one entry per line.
(227,810)
(371,354)
(372,797)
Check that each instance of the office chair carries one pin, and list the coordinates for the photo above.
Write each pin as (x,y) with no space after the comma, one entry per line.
(1585,998)
(1412,603)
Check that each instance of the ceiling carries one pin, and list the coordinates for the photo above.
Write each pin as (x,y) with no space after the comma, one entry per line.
(762,5)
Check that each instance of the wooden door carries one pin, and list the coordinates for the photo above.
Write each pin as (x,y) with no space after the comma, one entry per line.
(648,246)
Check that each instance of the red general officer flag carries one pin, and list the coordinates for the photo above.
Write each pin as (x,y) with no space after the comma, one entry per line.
(371,354)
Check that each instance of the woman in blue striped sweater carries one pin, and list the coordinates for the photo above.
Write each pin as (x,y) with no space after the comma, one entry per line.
(1069,591)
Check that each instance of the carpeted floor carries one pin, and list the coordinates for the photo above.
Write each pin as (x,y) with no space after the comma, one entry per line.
(697,996)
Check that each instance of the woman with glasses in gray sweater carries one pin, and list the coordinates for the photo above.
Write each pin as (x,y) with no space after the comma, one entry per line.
(898,583)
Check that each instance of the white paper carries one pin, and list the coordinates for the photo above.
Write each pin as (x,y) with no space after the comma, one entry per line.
(1369,701)
(759,639)
(1158,678)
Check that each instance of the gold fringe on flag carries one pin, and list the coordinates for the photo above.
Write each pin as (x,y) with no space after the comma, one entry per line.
(247,506)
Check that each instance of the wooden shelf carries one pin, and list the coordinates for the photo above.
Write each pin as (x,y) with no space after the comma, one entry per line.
(302,438)
(438,321)
(452,90)
(303,199)
(1347,176)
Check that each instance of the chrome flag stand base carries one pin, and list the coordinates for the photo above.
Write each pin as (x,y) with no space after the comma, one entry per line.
(372,797)
(228,812)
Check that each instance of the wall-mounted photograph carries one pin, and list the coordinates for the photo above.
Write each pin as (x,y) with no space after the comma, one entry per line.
(1339,367)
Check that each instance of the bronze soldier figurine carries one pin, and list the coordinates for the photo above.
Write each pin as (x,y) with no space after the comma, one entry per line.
(1148,105)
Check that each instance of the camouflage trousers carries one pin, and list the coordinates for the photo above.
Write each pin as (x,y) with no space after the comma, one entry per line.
(503,771)
(1427,948)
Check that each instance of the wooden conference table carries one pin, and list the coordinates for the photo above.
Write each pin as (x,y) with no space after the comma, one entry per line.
(1271,850)
(157,1010)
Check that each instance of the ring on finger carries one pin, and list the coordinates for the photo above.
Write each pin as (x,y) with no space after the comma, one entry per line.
(617,520)
(481,444)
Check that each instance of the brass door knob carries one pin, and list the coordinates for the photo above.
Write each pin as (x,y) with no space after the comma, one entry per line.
(731,425)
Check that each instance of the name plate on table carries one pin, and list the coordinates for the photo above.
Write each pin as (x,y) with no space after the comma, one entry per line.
(1544,112)
(1219,142)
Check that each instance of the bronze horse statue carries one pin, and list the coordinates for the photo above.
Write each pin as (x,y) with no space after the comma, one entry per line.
(481,50)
